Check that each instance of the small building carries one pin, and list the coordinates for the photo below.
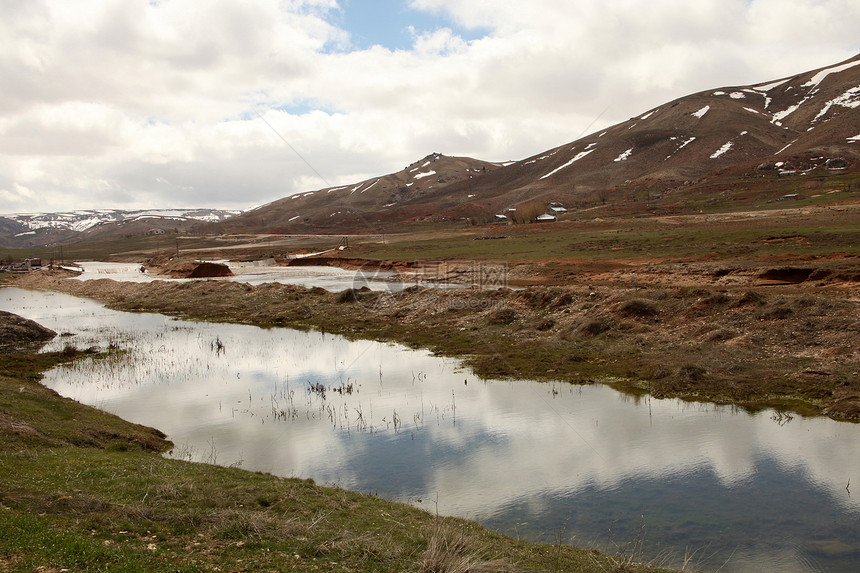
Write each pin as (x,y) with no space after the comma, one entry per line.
(546,218)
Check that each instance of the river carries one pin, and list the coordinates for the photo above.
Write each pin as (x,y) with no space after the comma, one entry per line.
(729,489)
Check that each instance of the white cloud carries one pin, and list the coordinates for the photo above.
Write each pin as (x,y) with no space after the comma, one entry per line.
(102,98)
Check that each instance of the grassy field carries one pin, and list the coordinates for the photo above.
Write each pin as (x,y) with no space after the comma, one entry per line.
(816,231)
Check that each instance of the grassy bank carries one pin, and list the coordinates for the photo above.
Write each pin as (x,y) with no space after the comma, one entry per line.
(82,490)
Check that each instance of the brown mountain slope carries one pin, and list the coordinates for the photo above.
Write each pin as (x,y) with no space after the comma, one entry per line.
(362,205)
(792,124)
(805,123)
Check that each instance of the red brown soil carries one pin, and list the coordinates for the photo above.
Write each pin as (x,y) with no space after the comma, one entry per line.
(210,270)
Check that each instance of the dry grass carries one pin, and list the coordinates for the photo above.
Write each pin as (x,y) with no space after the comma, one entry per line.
(451,550)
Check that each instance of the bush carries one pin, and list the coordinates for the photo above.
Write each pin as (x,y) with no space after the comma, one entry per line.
(750,297)
(691,373)
(639,308)
(595,326)
(776,312)
(720,335)
(503,316)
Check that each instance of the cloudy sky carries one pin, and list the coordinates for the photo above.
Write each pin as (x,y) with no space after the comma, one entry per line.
(234,103)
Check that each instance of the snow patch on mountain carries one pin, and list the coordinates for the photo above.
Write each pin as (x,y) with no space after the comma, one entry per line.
(819,77)
(541,158)
(80,221)
(722,150)
(780,115)
(770,86)
(701,113)
(623,156)
(850,99)
(576,158)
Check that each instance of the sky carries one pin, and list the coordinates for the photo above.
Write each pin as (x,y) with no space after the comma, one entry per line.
(129,104)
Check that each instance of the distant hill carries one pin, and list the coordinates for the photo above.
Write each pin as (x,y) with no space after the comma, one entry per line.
(39,229)
(805,124)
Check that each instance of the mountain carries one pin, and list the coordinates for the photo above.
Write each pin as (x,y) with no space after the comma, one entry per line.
(40,229)
(739,136)
(790,125)
(365,202)
(761,140)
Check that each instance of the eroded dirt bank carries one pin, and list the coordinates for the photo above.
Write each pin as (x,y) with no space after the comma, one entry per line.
(753,346)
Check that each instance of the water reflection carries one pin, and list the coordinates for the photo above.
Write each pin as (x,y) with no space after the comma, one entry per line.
(745,492)
(333,279)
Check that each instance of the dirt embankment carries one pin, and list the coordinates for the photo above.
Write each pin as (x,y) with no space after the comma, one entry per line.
(753,346)
(16,331)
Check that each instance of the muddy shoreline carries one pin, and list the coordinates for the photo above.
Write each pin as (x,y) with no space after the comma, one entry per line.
(741,343)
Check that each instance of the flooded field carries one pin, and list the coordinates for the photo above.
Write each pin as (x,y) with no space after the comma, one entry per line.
(670,480)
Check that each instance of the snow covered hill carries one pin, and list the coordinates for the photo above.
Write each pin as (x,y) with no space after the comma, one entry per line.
(39,229)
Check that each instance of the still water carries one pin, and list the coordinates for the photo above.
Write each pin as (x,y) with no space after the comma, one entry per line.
(333,279)
(540,461)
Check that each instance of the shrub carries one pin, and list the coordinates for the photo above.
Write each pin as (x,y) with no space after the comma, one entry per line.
(349,295)
(639,308)
(595,326)
(691,373)
(720,335)
(750,297)
(503,316)
(776,312)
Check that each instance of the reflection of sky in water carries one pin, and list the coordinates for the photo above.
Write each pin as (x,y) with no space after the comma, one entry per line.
(526,458)
(330,278)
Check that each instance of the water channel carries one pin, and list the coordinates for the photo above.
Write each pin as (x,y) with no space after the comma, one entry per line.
(737,491)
